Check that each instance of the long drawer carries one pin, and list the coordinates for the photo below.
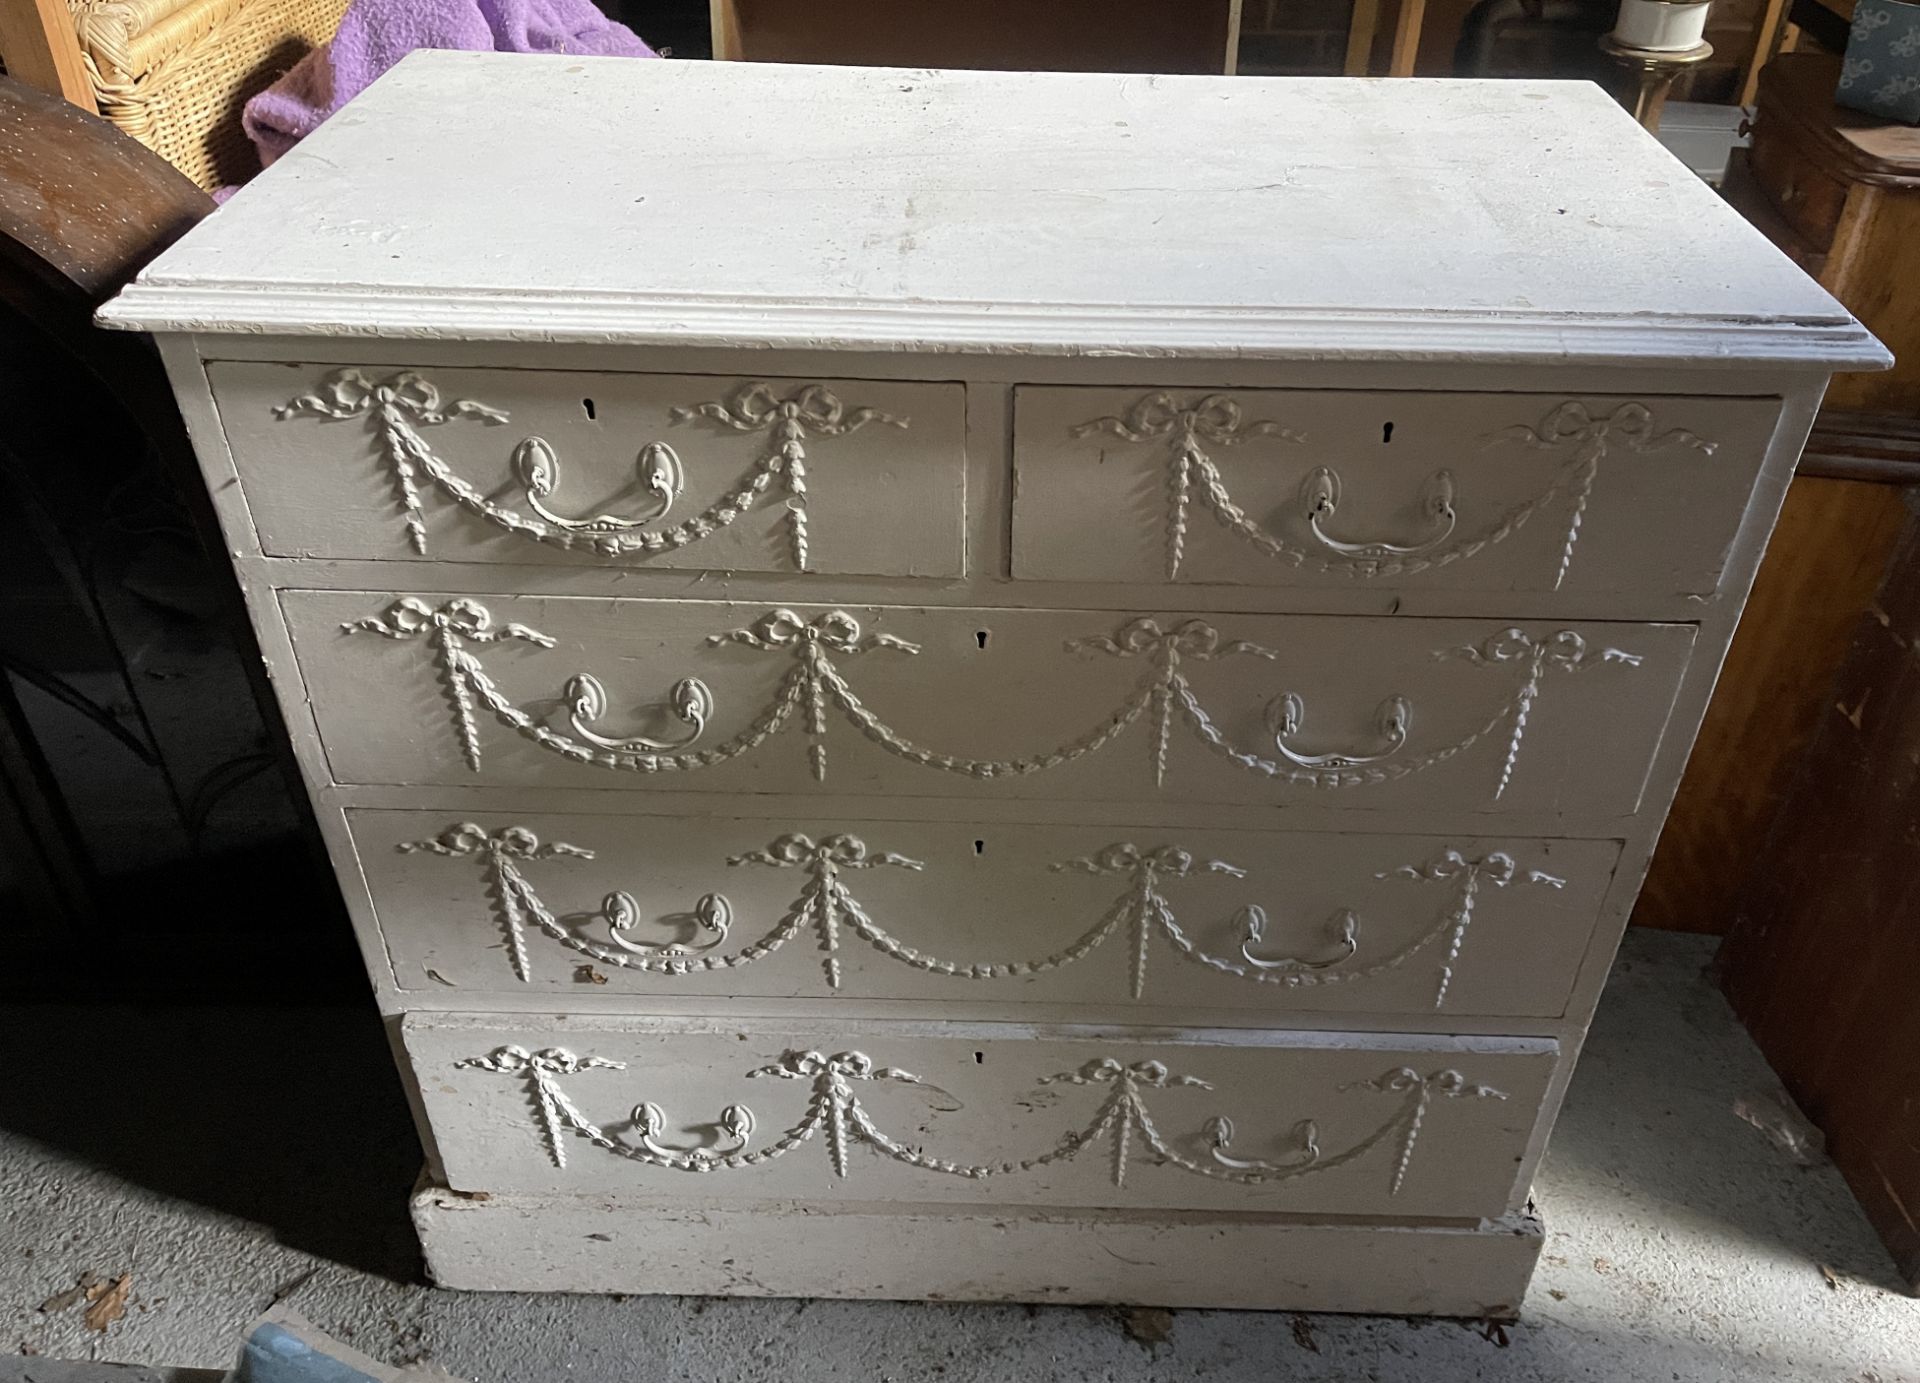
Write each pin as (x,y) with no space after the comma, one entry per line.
(1255,926)
(596,468)
(988,1113)
(1457,715)
(1323,489)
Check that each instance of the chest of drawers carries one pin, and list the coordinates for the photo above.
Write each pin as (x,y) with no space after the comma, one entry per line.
(998,686)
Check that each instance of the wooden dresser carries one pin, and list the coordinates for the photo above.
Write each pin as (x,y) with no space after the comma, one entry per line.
(965,685)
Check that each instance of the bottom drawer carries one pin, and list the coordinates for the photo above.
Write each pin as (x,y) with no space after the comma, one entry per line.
(996,1113)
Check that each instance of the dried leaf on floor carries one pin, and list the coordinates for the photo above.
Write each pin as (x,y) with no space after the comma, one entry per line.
(1303,1334)
(1833,1278)
(586,974)
(1147,1325)
(107,1303)
(62,1301)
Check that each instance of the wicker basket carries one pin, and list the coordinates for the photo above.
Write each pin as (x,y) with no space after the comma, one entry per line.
(175,73)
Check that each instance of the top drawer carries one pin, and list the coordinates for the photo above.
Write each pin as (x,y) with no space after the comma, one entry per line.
(1471,492)
(845,476)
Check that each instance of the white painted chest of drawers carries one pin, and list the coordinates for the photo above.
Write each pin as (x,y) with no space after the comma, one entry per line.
(1011,686)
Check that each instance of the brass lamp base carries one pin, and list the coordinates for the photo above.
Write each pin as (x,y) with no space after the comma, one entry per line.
(1654,71)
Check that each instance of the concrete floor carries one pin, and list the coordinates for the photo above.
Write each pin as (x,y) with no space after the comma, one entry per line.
(227,1159)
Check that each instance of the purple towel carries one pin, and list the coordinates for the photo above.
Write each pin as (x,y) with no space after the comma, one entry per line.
(375,34)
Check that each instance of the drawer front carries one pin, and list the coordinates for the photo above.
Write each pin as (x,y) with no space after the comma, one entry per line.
(762,475)
(1789,170)
(1245,925)
(989,1113)
(1458,715)
(1488,492)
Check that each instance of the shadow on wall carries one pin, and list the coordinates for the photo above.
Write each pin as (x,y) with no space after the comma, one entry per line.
(292,1118)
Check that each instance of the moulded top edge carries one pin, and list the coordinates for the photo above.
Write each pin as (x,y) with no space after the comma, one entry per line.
(1147,332)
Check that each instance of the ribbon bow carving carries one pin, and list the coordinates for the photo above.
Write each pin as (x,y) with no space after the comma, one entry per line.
(350,394)
(830,852)
(1107,1071)
(1191,638)
(1160,861)
(1631,423)
(813,407)
(835,630)
(1214,417)
(410,617)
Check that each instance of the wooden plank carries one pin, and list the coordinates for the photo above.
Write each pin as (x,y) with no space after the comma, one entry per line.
(1766,41)
(726,30)
(1825,562)
(1361,27)
(41,49)
(602,1244)
(1824,960)
(1863,446)
(1406,38)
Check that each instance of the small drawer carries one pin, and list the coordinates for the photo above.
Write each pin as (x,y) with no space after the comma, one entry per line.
(1477,716)
(1248,926)
(1474,492)
(1787,168)
(759,475)
(851,1111)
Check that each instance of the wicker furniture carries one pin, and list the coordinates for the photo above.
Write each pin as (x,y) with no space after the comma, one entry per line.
(174,74)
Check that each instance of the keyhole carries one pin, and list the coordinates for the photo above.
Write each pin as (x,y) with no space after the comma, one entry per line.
(979,1058)
(980,637)
(1386,433)
(979,847)
(586,406)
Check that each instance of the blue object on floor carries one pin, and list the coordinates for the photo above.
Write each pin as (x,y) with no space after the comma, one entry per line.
(274,1354)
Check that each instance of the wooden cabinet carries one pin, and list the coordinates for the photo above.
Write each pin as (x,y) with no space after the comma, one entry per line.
(1824,959)
(1839,192)
(928,713)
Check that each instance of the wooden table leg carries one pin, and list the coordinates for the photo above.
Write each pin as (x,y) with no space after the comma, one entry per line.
(1360,30)
(41,48)
(1765,39)
(725,21)
(1406,38)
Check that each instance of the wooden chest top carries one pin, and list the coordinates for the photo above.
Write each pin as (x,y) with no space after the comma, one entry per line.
(490,196)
